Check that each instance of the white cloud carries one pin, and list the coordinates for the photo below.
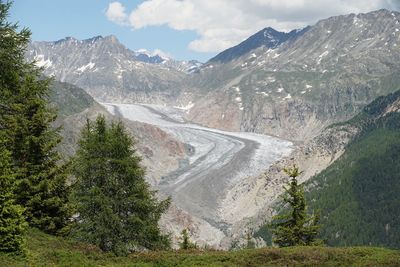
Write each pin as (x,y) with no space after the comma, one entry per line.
(155,52)
(116,13)
(162,53)
(223,23)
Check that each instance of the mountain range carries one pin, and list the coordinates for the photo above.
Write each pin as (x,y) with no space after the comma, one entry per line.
(108,70)
(305,86)
(290,85)
(268,38)
(325,75)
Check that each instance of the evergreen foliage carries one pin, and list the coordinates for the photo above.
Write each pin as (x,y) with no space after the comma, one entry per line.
(250,244)
(186,243)
(296,227)
(12,221)
(69,99)
(359,193)
(26,119)
(116,208)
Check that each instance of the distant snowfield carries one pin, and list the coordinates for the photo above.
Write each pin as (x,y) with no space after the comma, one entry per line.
(218,159)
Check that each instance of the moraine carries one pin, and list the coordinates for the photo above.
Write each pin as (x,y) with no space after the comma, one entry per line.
(217,160)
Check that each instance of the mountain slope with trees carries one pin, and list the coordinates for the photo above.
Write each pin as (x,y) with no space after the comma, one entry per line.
(358,195)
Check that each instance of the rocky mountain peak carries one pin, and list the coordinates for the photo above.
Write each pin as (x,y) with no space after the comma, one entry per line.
(67,39)
(107,69)
(93,39)
(268,38)
(370,39)
(111,39)
(323,75)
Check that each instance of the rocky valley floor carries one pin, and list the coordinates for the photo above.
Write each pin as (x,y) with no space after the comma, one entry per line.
(216,161)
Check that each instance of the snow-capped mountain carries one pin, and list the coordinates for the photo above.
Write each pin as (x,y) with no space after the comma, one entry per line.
(110,71)
(158,57)
(325,75)
(290,85)
(268,38)
(287,84)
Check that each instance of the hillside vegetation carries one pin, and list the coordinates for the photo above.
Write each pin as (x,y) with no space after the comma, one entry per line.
(358,195)
(46,250)
(69,99)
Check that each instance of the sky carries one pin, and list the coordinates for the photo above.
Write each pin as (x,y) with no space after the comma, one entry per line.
(182,29)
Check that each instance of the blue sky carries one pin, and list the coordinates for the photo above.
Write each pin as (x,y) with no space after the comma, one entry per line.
(51,20)
(184,29)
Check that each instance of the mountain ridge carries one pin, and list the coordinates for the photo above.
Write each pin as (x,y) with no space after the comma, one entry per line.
(105,68)
(324,76)
(268,38)
(294,91)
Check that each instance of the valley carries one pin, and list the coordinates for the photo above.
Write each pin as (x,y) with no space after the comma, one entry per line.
(217,160)
(214,136)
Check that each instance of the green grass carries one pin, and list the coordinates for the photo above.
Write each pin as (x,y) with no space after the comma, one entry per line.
(45,250)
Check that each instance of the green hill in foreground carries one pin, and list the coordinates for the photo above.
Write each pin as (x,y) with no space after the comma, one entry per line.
(45,250)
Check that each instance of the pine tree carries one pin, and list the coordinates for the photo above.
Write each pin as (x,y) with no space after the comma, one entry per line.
(12,221)
(26,119)
(250,244)
(116,208)
(296,227)
(186,243)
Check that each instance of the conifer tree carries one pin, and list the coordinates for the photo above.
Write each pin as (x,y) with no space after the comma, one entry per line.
(12,221)
(26,120)
(296,227)
(116,208)
(186,243)
(249,240)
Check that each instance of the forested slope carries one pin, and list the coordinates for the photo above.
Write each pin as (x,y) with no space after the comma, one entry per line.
(359,194)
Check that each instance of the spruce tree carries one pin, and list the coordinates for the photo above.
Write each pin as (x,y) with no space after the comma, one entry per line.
(116,208)
(12,221)
(295,227)
(186,243)
(26,119)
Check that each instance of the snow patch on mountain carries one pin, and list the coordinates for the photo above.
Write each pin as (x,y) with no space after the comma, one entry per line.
(88,66)
(41,62)
(186,108)
(287,97)
(321,56)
